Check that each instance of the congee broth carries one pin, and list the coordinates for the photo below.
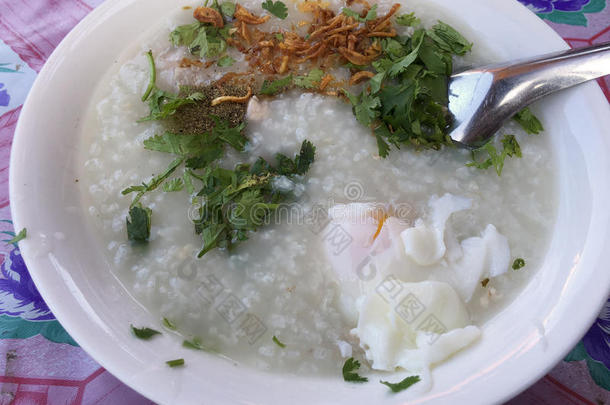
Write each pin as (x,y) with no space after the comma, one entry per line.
(275,183)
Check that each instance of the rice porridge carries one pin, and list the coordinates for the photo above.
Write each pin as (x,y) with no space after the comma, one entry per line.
(369,242)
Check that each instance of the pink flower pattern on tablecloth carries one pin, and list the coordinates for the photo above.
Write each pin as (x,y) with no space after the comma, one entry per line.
(38,371)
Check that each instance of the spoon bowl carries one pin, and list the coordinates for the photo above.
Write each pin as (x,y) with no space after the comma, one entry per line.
(483,99)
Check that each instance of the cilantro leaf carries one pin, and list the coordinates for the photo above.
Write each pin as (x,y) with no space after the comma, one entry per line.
(232,136)
(277,342)
(225,61)
(138,223)
(370,15)
(175,363)
(365,107)
(518,264)
(144,333)
(449,39)
(403,63)
(496,159)
(408,20)
(173,185)
(511,146)
(530,123)
(238,201)
(177,144)
(188,181)
(185,34)
(305,158)
(153,183)
(393,48)
(276,86)
(19,237)
(201,39)
(162,104)
(402,385)
(310,80)
(227,8)
(279,36)
(382,132)
(376,82)
(349,369)
(277,8)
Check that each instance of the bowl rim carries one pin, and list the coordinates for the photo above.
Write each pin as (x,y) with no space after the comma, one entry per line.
(19,212)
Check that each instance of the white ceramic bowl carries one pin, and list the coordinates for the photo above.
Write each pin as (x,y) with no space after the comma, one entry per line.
(519,345)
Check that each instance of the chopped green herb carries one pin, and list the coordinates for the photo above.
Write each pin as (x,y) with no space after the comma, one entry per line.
(144,333)
(408,20)
(153,183)
(195,344)
(138,223)
(349,369)
(276,8)
(169,324)
(238,201)
(370,15)
(227,8)
(19,237)
(365,107)
(350,65)
(279,36)
(382,132)
(449,39)
(403,385)
(162,104)
(276,86)
(305,158)
(202,40)
(173,185)
(407,98)
(518,264)
(510,148)
(400,65)
(175,363)
(187,177)
(530,123)
(225,61)
(277,342)
(310,80)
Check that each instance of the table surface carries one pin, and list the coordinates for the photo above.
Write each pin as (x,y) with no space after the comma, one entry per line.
(41,364)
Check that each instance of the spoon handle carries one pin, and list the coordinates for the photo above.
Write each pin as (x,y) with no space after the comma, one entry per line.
(542,76)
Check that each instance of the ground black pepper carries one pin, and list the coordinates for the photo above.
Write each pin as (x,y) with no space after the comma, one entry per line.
(197,118)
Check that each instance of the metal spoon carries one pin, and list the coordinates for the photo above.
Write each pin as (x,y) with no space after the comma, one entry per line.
(482,99)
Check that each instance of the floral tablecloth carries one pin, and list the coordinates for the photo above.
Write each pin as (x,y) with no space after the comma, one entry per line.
(41,364)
